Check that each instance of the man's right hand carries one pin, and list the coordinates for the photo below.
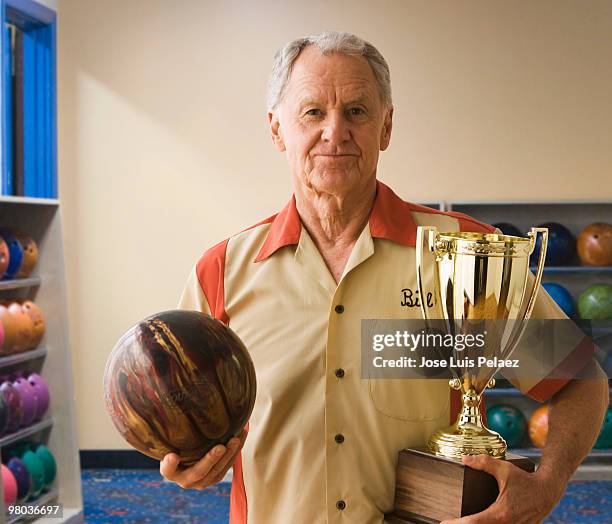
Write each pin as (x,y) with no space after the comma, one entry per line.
(209,470)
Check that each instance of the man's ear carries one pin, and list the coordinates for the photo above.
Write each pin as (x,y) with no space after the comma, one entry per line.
(275,131)
(385,134)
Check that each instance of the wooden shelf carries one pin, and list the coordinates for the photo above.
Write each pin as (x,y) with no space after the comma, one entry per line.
(20,283)
(19,358)
(11,438)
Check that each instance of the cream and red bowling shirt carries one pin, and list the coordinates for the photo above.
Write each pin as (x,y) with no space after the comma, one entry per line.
(322,443)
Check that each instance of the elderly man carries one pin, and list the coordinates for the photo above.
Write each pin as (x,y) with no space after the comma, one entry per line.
(322,442)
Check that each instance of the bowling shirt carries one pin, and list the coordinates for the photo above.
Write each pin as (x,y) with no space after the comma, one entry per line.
(322,442)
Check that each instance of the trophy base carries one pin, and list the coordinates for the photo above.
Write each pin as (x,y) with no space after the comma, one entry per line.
(430,488)
(456,441)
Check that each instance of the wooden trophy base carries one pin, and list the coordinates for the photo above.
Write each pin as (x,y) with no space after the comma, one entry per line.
(430,488)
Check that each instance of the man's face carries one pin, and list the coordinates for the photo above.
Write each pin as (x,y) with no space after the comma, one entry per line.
(332,122)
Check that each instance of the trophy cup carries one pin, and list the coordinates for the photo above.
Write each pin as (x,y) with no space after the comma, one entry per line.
(477,277)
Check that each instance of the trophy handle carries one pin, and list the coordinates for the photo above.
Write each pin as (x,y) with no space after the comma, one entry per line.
(540,269)
(514,338)
(431,232)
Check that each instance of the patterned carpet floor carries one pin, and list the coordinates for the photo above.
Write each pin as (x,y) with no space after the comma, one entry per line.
(141,496)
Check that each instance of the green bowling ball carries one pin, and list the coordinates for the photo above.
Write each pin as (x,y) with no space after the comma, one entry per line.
(595,302)
(48,461)
(605,435)
(509,422)
(37,472)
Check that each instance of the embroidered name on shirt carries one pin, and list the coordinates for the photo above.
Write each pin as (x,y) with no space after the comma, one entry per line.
(411,298)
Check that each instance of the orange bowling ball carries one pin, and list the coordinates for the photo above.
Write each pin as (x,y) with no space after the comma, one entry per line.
(538,426)
(30,254)
(10,330)
(594,245)
(4,257)
(24,327)
(36,314)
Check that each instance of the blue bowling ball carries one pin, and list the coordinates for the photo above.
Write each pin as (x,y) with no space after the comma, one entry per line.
(561,296)
(15,253)
(561,245)
(508,229)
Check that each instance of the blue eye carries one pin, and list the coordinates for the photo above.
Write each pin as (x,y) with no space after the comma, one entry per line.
(356,111)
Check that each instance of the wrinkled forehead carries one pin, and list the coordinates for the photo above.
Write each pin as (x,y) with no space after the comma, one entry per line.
(344,78)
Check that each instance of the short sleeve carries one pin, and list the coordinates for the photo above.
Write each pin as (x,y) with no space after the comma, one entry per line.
(552,351)
(192,297)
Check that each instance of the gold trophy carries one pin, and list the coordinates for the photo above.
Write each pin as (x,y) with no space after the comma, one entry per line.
(476,277)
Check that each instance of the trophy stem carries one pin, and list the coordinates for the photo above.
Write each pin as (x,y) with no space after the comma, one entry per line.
(468,435)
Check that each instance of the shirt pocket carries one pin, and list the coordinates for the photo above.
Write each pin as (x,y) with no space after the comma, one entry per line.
(411,400)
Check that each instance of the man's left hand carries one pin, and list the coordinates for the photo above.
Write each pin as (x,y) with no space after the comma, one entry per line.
(524,498)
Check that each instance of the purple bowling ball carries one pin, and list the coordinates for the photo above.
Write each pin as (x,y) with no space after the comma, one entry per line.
(14,405)
(29,400)
(42,395)
(22,476)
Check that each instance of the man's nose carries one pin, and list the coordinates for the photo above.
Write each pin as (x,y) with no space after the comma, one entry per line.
(336,128)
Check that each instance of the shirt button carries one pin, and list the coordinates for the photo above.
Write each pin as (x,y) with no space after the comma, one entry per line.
(341,505)
(339,309)
(340,373)
(339,438)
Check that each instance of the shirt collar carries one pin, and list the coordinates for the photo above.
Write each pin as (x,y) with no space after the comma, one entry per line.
(390,219)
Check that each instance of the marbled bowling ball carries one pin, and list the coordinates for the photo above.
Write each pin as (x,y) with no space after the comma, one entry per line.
(14,405)
(179,381)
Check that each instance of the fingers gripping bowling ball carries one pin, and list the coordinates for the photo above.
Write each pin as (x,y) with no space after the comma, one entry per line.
(179,381)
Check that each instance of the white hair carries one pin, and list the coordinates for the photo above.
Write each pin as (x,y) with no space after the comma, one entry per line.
(328,42)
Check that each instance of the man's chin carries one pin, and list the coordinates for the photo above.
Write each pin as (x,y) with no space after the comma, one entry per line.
(337,182)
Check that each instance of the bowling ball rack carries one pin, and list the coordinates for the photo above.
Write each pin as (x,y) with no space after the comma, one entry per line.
(573,275)
(46,287)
